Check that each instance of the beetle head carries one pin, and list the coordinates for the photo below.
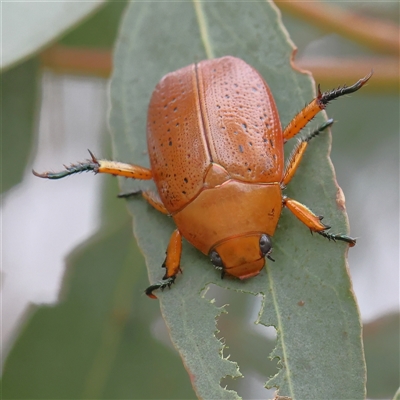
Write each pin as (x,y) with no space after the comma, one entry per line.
(243,256)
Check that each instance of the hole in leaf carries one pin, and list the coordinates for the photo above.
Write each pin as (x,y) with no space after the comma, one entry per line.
(248,344)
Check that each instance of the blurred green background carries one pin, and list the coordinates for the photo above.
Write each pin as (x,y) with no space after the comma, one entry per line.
(50,118)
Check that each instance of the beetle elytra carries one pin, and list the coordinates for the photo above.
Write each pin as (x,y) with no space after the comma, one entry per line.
(215,144)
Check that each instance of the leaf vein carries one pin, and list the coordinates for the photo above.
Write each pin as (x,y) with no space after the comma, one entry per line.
(280,330)
(203,29)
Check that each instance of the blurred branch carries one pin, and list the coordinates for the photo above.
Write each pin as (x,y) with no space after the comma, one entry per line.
(78,60)
(98,62)
(379,35)
(334,71)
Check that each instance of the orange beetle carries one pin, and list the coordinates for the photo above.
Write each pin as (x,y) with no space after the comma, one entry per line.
(216,152)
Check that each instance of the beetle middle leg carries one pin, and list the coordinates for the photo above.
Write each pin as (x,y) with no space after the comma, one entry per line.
(171,264)
(298,152)
(318,104)
(151,197)
(312,221)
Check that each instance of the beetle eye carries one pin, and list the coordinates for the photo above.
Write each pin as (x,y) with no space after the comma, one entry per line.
(216,259)
(265,244)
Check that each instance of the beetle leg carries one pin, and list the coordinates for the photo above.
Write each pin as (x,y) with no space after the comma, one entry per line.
(298,152)
(318,104)
(308,218)
(171,264)
(330,236)
(100,166)
(151,197)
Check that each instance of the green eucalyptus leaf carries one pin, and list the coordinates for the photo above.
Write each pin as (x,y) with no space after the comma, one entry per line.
(100,30)
(307,291)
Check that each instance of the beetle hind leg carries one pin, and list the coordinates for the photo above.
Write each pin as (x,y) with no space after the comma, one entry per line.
(313,222)
(171,264)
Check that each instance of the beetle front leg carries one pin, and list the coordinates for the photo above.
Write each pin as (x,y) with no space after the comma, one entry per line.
(318,104)
(171,264)
(313,222)
(100,166)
